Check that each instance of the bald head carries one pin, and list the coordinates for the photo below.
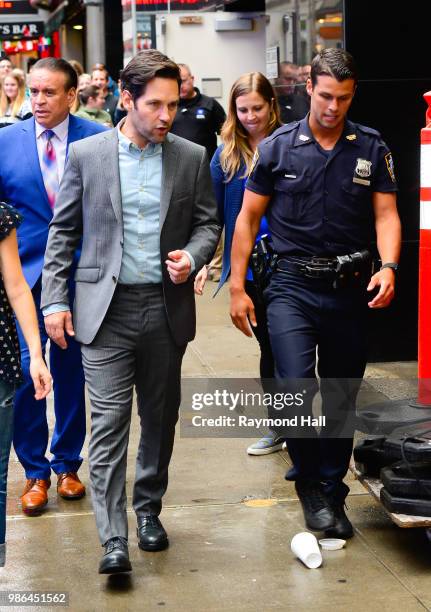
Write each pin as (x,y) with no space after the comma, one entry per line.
(187,90)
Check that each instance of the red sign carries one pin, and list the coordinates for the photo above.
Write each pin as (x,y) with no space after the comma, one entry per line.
(163,5)
(16,7)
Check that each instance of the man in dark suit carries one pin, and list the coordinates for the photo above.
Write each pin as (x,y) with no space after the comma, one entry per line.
(142,202)
(32,157)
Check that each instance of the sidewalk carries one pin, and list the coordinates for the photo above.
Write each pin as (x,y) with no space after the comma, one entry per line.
(230,519)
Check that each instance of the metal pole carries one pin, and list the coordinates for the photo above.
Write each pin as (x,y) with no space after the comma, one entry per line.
(134,29)
(95,34)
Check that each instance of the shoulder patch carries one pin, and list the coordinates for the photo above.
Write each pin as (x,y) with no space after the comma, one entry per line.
(390,166)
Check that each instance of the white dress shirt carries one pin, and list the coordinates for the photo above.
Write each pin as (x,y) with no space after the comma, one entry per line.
(59,142)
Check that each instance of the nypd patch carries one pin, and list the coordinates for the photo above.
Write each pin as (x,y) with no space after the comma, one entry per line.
(390,166)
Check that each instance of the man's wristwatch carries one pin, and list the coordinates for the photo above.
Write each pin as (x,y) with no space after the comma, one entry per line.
(390,264)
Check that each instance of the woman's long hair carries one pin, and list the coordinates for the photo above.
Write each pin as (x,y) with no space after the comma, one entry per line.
(19,100)
(236,148)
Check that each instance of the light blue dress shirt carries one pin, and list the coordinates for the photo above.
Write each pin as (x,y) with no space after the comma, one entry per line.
(141,180)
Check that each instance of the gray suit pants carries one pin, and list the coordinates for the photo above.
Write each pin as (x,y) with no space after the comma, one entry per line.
(133,348)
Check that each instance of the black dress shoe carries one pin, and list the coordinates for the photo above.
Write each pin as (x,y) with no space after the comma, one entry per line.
(342,527)
(116,557)
(318,513)
(151,534)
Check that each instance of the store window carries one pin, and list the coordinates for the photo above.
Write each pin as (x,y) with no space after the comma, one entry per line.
(302,28)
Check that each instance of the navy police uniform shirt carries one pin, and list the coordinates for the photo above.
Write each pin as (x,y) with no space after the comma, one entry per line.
(321,201)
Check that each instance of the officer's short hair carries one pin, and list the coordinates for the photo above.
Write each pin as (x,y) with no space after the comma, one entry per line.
(336,63)
(88,92)
(54,64)
(143,68)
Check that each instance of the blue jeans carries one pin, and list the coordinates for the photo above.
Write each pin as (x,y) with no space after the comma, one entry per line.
(6,429)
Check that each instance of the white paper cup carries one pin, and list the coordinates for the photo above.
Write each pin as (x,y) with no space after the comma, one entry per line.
(304,546)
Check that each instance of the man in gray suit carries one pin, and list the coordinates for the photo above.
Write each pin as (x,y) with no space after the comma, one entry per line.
(142,202)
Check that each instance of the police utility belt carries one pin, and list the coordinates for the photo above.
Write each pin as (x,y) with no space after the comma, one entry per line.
(342,270)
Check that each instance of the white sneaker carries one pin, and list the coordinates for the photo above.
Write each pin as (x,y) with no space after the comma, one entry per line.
(265,446)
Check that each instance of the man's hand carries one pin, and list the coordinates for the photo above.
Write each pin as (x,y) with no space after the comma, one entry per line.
(242,312)
(385,280)
(179,266)
(58,323)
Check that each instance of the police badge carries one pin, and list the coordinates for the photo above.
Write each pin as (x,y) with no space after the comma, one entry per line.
(362,171)
(363,168)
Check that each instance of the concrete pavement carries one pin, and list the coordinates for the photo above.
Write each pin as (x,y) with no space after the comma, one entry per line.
(230,519)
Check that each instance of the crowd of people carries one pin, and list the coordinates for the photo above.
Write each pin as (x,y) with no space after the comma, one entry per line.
(128,218)
(101,103)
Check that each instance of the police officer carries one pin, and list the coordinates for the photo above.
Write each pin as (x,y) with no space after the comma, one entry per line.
(199,118)
(325,184)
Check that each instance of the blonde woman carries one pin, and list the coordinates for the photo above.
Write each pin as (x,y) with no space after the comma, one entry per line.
(14,106)
(253,114)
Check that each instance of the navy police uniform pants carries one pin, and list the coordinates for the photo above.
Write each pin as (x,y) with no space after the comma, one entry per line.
(304,315)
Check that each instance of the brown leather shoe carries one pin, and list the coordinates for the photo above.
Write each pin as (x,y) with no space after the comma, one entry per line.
(35,496)
(69,486)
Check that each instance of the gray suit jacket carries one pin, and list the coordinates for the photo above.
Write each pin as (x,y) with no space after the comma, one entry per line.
(89,206)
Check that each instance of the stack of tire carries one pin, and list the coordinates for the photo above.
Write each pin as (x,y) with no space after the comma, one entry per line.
(402,461)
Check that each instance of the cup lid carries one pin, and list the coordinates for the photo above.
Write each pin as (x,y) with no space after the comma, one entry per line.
(332,543)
